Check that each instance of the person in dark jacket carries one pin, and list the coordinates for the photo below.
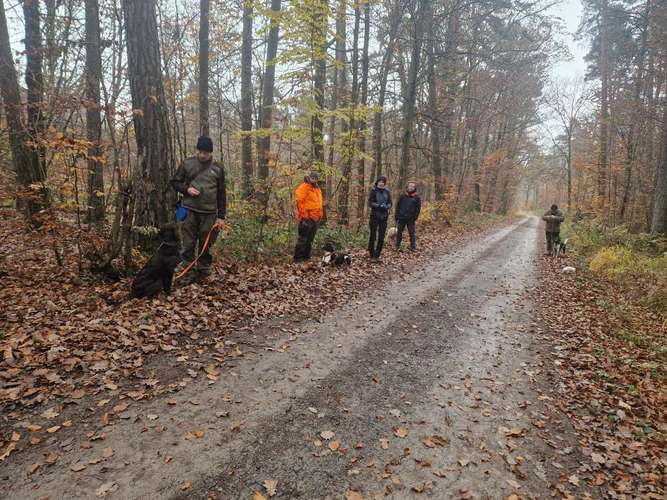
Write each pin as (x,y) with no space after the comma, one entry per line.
(553,217)
(201,181)
(379,201)
(407,211)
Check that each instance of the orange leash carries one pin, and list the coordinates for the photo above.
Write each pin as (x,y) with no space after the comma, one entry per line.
(204,247)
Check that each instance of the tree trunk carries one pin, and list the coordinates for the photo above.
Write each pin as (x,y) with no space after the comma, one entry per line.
(411,94)
(319,61)
(361,165)
(266,112)
(151,128)
(354,125)
(659,219)
(569,132)
(204,121)
(35,93)
(93,118)
(246,99)
(636,114)
(449,61)
(24,158)
(384,73)
(434,115)
(344,101)
(604,106)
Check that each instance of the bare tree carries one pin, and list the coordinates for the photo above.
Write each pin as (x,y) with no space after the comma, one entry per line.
(409,104)
(567,100)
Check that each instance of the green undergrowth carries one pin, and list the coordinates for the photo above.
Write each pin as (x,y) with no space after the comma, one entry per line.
(633,265)
(255,236)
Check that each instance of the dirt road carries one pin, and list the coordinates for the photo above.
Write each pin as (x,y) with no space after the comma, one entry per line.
(429,387)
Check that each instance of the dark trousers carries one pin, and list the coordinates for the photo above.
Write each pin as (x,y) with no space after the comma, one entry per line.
(378,230)
(304,244)
(552,239)
(400,226)
(195,228)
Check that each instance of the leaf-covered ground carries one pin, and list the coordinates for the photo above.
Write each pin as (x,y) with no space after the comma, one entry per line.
(66,336)
(609,359)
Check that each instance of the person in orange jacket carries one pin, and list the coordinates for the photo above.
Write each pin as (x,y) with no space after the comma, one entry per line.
(309,212)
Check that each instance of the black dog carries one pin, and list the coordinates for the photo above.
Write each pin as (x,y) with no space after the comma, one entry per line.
(331,257)
(158,272)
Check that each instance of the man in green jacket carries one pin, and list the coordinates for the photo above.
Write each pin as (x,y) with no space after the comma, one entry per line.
(201,181)
(553,217)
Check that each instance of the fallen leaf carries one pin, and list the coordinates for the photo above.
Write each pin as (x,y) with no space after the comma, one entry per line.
(77,394)
(120,408)
(270,485)
(327,435)
(106,488)
(78,466)
(11,447)
(51,458)
(334,445)
(401,432)
(384,443)
(50,413)
(438,472)
(53,429)
(428,443)
(107,452)
(186,486)
(258,496)
(353,495)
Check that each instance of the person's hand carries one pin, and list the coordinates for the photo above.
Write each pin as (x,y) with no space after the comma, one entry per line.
(193,192)
(220,224)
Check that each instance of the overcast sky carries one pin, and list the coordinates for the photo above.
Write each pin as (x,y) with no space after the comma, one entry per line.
(571,11)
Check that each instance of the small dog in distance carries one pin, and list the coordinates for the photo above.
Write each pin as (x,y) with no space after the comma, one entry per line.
(330,256)
(560,248)
(391,233)
(158,273)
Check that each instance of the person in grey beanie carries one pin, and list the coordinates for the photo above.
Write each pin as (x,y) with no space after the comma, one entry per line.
(201,181)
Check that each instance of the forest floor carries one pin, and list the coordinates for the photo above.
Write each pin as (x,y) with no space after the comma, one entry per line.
(449,374)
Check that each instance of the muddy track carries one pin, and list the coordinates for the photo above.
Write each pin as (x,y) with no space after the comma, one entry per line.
(430,387)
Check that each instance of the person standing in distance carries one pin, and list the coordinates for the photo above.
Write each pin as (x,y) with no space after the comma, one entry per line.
(201,181)
(379,201)
(407,211)
(553,217)
(309,212)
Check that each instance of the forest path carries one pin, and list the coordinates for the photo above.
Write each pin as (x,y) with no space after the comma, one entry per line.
(427,387)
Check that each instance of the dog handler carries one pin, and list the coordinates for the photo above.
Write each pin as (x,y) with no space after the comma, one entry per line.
(201,181)
(553,217)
